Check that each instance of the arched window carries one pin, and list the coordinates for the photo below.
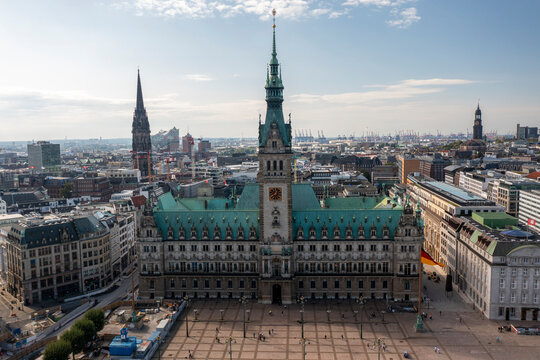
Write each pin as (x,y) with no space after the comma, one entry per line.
(275,164)
(280,164)
(268,165)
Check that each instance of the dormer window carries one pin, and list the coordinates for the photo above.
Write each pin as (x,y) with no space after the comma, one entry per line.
(228,233)
(312,233)
(373,232)
(300,233)
(337,233)
(217,233)
(324,232)
(193,233)
(205,232)
(182,233)
(361,233)
(274,144)
(386,232)
(240,233)
(252,233)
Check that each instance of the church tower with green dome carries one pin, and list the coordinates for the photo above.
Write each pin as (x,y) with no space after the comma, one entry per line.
(275,190)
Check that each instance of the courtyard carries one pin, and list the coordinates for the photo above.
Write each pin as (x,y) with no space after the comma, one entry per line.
(333,331)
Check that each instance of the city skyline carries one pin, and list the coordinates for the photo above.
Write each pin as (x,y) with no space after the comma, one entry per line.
(402,71)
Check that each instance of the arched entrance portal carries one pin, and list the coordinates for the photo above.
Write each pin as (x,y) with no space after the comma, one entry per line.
(276,294)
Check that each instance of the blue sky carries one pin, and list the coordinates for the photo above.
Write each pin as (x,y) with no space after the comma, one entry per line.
(68,68)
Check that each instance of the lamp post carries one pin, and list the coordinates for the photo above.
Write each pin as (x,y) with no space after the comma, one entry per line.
(378,344)
(221,313)
(229,341)
(243,300)
(186,299)
(360,301)
(328,313)
(303,343)
(302,300)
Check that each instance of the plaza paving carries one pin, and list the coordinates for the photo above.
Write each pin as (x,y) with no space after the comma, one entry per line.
(471,338)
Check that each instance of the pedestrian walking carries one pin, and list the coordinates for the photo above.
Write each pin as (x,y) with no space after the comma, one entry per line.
(430,316)
(498,340)
(324,336)
(254,335)
(342,338)
(272,331)
(269,332)
(440,312)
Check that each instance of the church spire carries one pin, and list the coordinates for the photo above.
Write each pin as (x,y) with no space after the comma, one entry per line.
(140,103)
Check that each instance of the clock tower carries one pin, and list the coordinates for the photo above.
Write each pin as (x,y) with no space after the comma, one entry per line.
(477,128)
(275,190)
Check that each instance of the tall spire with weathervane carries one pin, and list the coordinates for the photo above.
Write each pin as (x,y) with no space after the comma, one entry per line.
(274,98)
(141,144)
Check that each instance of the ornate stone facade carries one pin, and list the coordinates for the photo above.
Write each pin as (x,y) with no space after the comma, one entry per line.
(277,243)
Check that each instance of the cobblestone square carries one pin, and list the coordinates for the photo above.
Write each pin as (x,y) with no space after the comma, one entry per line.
(472,337)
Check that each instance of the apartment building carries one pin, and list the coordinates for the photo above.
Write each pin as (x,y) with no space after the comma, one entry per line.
(506,193)
(497,265)
(477,181)
(439,202)
(55,258)
(529,209)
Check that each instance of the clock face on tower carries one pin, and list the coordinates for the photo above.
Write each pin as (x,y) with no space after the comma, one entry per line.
(275,194)
(476,122)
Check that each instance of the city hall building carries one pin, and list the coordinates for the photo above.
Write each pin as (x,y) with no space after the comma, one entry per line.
(277,242)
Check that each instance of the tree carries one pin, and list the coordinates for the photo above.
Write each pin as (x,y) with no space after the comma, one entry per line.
(87,327)
(66,190)
(97,316)
(76,338)
(58,350)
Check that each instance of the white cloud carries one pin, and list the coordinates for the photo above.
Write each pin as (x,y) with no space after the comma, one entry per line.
(404,18)
(199,77)
(292,9)
(405,89)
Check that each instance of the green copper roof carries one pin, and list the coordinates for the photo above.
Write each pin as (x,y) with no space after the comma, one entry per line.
(358,220)
(497,220)
(249,200)
(356,214)
(304,198)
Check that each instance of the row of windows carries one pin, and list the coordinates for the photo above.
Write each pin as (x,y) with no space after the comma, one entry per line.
(525,272)
(275,163)
(349,247)
(208,267)
(524,284)
(346,267)
(217,284)
(524,298)
(195,248)
(348,284)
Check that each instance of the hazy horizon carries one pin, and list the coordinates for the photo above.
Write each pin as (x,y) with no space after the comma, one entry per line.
(69,69)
